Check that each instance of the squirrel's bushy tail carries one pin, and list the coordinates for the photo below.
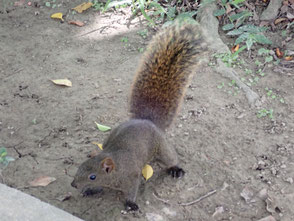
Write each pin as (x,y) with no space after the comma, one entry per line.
(164,74)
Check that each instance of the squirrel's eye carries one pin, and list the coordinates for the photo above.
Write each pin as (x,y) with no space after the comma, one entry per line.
(92,177)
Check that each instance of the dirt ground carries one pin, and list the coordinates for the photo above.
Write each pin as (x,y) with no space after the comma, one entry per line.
(49,129)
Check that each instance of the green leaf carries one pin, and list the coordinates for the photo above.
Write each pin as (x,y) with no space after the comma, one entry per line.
(262,51)
(219,12)
(249,43)
(241,38)
(187,17)
(106,6)
(221,85)
(3,152)
(243,14)
(236,2)
(102,128)
(9,159)
(260,38)
(239,22)
(258,63)
(157,6)
(268,59)
(224,2)
(171,12)
(142,8)
(228,27)
(118,3)
(252,28)
(47,4)
(3,155)
(124,39)
(235,32)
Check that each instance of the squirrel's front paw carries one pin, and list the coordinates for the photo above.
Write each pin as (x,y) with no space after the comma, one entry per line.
(131,206)
(91,191)
(176,172)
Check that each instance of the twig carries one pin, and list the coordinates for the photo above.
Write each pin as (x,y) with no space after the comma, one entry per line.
(199,199)
(98,29)
(162,200)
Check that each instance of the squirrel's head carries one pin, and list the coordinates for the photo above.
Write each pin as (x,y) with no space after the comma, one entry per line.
(95,172)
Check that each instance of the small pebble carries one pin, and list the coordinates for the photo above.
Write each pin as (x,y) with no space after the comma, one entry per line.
(289,180)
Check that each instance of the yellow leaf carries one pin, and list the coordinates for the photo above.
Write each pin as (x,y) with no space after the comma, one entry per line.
(63,82)
(98,144)
(57,16)
(82,7)
(147,172)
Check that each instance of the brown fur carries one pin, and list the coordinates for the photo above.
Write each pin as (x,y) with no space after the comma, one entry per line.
(164,74)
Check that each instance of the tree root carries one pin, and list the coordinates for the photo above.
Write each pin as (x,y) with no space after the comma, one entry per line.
(272,10)
(209,25)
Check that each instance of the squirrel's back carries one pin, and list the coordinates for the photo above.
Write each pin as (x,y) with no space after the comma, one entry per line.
(164,73)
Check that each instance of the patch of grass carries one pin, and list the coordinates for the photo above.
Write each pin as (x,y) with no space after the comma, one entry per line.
(143,33)
(230,60)
(231,88)
(124,39)
(4,159)
(154,11)
(270,94)
(265,113)
(52,4)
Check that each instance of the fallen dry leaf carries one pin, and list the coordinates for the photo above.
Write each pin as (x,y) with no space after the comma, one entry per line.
(147,172)
(77,23)
(279,53)
(65,197)
(42,181)
(83,7)
(98,144)
(279,20)
(289,58)
(62,82)
(58,15)
(235,48)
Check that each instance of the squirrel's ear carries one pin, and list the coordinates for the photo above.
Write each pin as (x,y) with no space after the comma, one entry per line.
(107,165)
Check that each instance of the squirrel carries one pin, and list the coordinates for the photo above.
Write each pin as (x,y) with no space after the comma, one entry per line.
(157,92)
